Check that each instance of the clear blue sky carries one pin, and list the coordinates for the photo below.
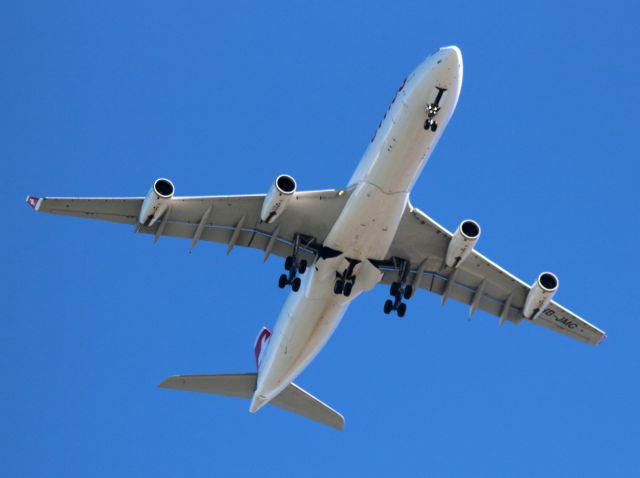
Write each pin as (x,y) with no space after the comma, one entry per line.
(101,98)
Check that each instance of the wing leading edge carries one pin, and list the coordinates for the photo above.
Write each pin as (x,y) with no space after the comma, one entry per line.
(478,281)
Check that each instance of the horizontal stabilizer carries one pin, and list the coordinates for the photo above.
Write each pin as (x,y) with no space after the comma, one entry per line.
(230,385)
(296,400)
(293,398)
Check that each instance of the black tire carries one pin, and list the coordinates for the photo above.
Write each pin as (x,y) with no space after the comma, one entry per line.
(347,289)
(288,263)
(402,309)
(434,127)
(427,124)
(395,287)
(282,282)
(295,285)
(388,306)
(302,268)
(338,287)
(408,292)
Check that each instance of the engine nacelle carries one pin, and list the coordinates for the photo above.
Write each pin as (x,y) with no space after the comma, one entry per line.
(277,198)
(156,201)
(462,243)
(540,295)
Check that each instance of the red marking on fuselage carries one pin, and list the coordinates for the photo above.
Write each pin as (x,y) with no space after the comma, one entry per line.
(261,344)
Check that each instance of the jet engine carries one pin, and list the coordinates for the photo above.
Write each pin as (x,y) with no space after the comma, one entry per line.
(277,198)
(462,243)
(540,295)
(156,202)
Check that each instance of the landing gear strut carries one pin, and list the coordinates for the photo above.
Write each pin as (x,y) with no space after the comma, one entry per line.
(432,110)
(345,280)
(399,290)
(293,266)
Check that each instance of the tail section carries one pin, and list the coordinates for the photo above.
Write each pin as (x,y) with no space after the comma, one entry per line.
(262,340)
(293,398)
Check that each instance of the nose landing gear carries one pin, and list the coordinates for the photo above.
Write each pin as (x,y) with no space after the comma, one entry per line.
(430,124)
(293,266)
(432,110)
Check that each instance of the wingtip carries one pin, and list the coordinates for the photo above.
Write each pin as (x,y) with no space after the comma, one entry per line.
(34,202)
(168,382)
(602,339)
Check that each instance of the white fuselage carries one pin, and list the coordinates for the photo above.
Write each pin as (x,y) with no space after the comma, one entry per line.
(368,223)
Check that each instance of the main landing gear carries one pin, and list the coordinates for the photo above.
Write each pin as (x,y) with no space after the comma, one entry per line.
(399,290)
(432,110)
(345,280)
(293,266)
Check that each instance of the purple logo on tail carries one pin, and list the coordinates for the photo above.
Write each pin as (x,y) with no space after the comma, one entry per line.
(261,345)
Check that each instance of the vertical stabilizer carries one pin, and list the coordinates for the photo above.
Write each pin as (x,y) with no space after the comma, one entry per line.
(262,340)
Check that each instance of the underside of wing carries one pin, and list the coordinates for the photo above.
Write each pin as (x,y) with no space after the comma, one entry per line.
(231,220)
(477,281)
(124,210)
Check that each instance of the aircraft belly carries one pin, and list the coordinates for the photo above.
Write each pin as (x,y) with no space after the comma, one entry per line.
(368,223)
(394,159)
(306,322)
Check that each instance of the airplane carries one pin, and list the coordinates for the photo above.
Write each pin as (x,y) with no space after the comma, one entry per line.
(340,243)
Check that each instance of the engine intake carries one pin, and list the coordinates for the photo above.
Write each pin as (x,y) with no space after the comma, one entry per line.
(540,295)
(278,197)
(156,201)
(462,243)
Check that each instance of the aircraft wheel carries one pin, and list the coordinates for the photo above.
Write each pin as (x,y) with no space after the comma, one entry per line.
(288,263)
(408,292)
(295,285)
(388,306)
(303,267)
(434,126)
(347,289)
(402,309)
(427,124)
(282,282)
(338,287)
(395,287)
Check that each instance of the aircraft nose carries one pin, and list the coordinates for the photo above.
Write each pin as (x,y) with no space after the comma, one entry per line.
(452,50)
(446,65)
(451,56)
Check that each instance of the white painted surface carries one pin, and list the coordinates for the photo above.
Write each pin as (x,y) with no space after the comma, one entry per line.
(366,226)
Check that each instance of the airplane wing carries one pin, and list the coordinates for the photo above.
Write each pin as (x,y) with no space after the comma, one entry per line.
(478,281)
(232,220)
